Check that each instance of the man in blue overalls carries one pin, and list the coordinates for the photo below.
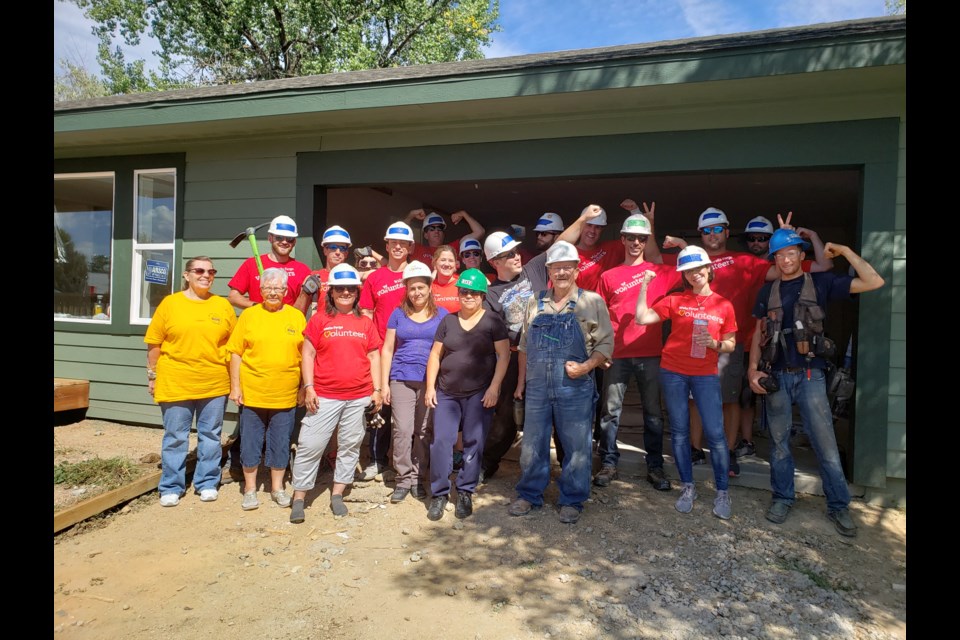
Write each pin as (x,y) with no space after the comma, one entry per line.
(566,335)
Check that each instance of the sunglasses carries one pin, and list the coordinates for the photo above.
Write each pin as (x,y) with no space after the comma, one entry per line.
(633,237)
(284,239)
(344,288)
(367,264)
(506,256)
(200,272)
(547,233)
(468,292)
(433,227)
(715,229)
(342,248)
(757,238)
(470,254)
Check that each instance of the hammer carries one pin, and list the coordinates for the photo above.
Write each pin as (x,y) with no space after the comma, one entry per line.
(250,234)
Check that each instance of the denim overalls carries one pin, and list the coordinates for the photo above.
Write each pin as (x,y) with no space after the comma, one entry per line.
(555,399)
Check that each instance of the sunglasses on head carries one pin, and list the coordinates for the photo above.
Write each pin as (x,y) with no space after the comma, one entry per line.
(344,288)
(634,237)
(342,248)
(433,227)
(715,229)
(284,239)
(470,254)
(200,272)
(760,238)
(507,256)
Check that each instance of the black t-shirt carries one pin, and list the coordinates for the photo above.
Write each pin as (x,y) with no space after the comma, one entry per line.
(469,358)
(509,299)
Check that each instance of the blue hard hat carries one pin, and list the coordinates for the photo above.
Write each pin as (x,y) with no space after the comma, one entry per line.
(783,238)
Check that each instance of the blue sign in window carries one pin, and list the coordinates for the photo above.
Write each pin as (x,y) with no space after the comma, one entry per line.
(157,272)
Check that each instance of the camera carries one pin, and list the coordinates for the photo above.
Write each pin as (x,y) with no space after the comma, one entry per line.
(769,383)
(311,285)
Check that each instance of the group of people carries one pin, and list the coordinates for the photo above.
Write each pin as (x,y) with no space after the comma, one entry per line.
(438,352)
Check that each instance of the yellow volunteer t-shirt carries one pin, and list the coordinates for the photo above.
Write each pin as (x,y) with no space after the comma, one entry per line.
(192,335)
(268,343)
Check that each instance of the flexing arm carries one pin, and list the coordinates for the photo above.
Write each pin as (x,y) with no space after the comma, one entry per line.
(867,277)
(476,229)
(415,214)
(572,233)
(644,315)
(820,261)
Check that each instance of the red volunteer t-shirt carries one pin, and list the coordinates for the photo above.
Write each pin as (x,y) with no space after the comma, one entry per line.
(341,369)
(619,288)
(446,296)
(382,292)
(247,278)
(683,309)
(594,262)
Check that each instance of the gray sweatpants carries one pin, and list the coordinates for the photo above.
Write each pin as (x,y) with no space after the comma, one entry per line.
(412,423)
(315,432)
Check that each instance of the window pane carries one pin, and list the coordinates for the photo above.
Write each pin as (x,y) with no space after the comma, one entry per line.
(82,233)
(156,279)
(155,208)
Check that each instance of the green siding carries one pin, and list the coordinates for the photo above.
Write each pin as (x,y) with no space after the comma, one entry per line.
(898,353)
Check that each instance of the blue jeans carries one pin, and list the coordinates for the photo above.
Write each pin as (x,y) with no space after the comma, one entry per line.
(273,425)
(677,388)
(811,397)
(177,419)
(616,379)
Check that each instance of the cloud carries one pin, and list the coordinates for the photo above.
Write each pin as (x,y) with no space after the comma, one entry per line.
(713,17)
(816,11)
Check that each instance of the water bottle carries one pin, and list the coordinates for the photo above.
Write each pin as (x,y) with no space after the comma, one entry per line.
(518,413)
(699,328)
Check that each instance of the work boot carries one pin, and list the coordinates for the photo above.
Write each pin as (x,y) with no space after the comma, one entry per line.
(606,475)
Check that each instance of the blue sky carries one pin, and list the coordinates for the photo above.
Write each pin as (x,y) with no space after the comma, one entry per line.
(538,26)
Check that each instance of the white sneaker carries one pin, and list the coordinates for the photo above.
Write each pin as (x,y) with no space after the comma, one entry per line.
(209,495)
(250,501)
(169,500)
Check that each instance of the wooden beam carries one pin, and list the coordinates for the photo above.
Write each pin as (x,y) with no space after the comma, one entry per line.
(69,394)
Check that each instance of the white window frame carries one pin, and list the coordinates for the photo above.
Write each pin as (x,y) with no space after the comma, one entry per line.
(138,248)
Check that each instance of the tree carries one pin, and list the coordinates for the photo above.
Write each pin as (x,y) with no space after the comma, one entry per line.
(74,82)
(231,41)
(69,265)
(896,7)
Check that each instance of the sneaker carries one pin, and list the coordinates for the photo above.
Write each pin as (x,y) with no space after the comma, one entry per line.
(521,507)
(569,515)
(721,505)
(464,505)
(209,495)
(606,475)
(296,512)
(745,448)
(843,522)
(437,507)
(399,494)
(336,505)
(169,500)
(685,502)
(778,512)
(697,456)
(418,492)
(281,497)
(250,501)
(457,460)
(734,470)
(658,479)
(371,472)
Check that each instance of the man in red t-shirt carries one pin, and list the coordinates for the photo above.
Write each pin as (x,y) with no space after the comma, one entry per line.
(434,233)
(245,284)
(335,244)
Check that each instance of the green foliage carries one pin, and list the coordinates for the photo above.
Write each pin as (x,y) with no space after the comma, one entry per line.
(76,83)
(232,41)
(896,7)
(69,265)
(110,473)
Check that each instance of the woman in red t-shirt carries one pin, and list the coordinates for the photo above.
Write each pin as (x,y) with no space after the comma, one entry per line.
(444,285)
(704,324)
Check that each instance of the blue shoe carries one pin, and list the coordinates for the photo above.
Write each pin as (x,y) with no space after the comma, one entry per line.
(685,502)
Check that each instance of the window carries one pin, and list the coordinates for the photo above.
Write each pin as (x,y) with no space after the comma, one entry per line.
(82,246)
(154,232)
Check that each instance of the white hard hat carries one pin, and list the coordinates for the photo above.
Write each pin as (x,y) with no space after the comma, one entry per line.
(637,224)
(344,275)
(712,216)
(498,242)
(417,269)
(399,231)
(336,235)
(562,251)
(600,220)
(434,219)
(468,244)
(759,225)
(283,226)
(692,257)
(549,222)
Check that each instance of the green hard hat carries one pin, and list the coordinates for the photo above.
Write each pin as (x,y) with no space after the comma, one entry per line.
(473,279)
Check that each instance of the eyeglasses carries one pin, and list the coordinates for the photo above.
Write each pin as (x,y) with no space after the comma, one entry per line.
(716,229)
(561,268)
(760,238)
(284,239)
(547,233)
(342,248)
(273,289)
(470,254)
(433,227)
(344,288)
(506,256)
(468,292)
(367,264)
(200,272)
(633,237)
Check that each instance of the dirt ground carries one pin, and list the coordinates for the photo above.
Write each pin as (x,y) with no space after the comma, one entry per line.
(385,571)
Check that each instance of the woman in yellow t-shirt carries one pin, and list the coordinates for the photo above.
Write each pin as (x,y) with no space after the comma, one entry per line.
(187,376)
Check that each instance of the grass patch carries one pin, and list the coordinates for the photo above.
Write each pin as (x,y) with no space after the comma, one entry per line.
(817,578)
(109,473)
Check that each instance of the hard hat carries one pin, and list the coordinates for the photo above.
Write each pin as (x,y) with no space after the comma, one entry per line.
(473,279)
(283,226)
(417,269)
(562,251)
(498,242)
(783,238)
(712,216)
(336,235)
(549,222)
(692,257)
(637,224)
(759,225)
(470,244)
(600,220)
(399,231)
(344,275)
(434,219)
